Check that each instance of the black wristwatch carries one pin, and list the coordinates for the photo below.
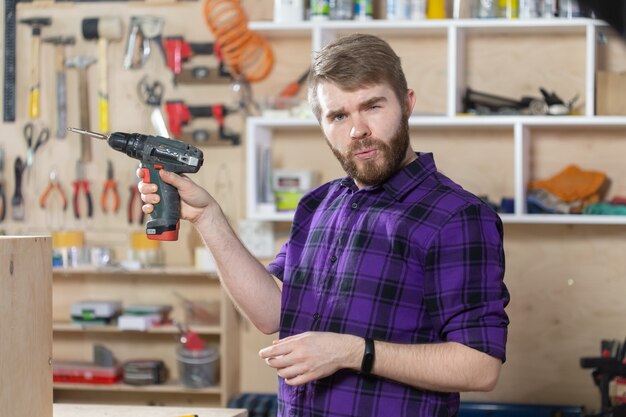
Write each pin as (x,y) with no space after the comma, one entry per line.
(368,357)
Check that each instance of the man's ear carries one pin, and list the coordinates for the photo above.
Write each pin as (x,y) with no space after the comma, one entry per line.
(410,102)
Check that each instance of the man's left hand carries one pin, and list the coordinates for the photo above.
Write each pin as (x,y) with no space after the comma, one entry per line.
(313,355)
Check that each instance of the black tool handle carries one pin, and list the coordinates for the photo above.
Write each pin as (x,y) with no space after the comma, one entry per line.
(17,202)
(202,48)
(165,218)
(3,203)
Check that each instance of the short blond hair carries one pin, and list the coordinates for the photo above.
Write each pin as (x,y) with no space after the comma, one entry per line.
(356,61)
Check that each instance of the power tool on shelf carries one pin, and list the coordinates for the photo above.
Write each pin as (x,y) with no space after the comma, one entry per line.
(179,51)
(156,153)
(607,367)
(179,114)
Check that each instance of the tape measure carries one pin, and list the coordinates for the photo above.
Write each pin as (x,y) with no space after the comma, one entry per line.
(9,60)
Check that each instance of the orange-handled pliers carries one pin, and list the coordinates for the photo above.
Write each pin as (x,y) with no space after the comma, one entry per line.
(53,185)
(81,183)
(110,187)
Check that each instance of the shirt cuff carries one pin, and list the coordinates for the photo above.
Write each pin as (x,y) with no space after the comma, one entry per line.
(489,340)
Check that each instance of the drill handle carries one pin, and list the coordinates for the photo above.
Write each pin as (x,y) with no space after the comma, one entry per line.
(165,219)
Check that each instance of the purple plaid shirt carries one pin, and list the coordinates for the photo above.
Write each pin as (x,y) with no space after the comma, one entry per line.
(415,260)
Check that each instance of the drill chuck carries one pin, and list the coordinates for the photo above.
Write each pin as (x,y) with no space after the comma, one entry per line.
(128,143)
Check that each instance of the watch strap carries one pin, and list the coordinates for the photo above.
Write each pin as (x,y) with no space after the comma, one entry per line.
(368,357)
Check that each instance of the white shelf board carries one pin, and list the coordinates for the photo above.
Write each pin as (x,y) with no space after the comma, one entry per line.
(425,27)
(563,219)
(275,216)
(461,121)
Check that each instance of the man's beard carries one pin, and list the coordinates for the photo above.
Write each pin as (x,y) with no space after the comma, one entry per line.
(375,172)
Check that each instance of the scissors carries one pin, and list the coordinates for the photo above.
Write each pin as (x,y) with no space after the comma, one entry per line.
(29,135)
(150,93)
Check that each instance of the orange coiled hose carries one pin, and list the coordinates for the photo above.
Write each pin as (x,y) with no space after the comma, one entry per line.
(245,52)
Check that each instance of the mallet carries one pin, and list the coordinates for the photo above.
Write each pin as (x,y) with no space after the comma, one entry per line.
(105,30)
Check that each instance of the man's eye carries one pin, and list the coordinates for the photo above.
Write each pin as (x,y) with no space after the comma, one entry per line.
(339,117)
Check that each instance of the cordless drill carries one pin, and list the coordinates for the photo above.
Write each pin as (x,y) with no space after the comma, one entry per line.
(156,153)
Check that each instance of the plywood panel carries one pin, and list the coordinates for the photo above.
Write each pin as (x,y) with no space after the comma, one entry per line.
(25,326)
(567,288)
(517,65)
(591,149)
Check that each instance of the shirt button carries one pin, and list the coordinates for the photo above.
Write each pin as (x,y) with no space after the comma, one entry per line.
(333,259)
(355,205)
(316,316)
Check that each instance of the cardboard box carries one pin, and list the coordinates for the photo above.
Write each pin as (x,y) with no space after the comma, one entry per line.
(610,93)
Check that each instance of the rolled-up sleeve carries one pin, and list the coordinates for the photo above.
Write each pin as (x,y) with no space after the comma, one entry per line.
(277,266)
(465,293)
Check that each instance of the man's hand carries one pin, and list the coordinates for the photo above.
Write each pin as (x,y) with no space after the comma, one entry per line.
(194,199)
(313,355)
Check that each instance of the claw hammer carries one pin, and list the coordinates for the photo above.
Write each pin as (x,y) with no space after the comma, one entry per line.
(60,42)
(36,23)
(81,63)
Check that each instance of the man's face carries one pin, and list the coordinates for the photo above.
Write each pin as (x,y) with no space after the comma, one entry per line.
(366,130)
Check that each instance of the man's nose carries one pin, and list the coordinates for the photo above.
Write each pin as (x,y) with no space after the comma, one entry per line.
(360,128)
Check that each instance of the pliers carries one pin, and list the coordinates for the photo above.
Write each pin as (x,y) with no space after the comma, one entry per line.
(110,186)
(53,185)
(81,182)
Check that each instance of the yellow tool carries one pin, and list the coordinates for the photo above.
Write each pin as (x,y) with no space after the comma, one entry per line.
(36,23)
(105,30)
(436,9)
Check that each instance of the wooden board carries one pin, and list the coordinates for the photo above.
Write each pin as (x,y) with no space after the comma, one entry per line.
(74,410)
(25,326)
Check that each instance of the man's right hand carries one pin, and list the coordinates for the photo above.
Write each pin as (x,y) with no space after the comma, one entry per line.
(195,201)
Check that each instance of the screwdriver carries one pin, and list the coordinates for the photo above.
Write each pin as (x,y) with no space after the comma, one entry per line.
(292,88)
(17,201)
(3,200)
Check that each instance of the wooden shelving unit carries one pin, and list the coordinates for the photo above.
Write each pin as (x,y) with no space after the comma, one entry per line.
(74,342)
(460,38)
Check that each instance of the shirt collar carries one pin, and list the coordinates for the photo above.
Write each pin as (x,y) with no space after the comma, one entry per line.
(404,180)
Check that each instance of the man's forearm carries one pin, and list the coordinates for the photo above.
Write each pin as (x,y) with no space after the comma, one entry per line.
(245,279)
(444,367)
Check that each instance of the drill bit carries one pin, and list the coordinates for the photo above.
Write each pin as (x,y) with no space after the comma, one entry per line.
(88,133)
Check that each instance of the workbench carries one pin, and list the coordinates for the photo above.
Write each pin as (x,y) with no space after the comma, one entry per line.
(88,410)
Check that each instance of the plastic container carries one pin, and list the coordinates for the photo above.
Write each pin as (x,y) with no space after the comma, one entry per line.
(398,10)
(197,368)
(363,10)
(341,9)
(320,10)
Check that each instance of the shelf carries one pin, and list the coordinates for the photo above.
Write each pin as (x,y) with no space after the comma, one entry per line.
(166,273)
(461,121)
(68,327)
(426,27)
(266,215)
(169,387)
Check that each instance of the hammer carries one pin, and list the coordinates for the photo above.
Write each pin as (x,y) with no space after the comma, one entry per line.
(104,29)
(36,23)
(81,63)
(60,42)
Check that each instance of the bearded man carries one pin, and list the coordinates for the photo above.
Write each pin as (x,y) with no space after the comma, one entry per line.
(392,298)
